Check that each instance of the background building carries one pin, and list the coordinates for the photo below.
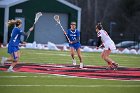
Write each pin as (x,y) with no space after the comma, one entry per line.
(46,29)
(120,18)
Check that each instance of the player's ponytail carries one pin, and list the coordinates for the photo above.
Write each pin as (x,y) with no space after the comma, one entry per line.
(14,22)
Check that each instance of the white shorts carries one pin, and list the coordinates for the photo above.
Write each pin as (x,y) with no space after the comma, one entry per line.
(109,46)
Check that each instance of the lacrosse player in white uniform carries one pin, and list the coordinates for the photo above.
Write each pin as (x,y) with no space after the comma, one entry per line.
(106,41)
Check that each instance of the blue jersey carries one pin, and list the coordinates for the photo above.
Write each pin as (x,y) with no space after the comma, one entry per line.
(73,35)
(15,36)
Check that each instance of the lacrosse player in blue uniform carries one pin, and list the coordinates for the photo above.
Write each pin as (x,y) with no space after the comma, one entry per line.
(13,46)
(74,37)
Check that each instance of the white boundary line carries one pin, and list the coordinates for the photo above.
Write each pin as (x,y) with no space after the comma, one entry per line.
(58,75)
(89,86)
(25,76)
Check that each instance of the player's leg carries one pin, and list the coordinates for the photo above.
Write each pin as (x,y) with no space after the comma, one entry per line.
(111,63)
(15,56)
(14,52)
(72,55)
(103,55)
(5,59)
(80,57)
(114,65)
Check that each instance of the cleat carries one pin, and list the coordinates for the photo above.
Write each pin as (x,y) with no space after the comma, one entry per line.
(109,67)
(10,70)
(115,65)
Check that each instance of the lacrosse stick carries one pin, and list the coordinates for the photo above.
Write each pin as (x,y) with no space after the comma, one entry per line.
(38,15)
(57,19)
(102,45)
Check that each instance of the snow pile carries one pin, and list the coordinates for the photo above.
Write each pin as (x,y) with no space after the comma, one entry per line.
(29,45)
(52,46)
(133,51)
(138,51)
(65,48)
(116,51)
(40,46)
(125,51)
(87,49)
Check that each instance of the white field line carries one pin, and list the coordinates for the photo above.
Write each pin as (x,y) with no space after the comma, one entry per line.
(25,76)
(58,76)
(88,86)
(61,54)
(53,54)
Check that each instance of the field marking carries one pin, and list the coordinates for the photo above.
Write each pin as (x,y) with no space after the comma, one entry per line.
(60,54)
(25,76)
(58,76)
(88,86)
(52,75)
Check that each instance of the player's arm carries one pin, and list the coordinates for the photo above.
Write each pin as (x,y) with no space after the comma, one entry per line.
(25,33)
(67,35)
(28,32)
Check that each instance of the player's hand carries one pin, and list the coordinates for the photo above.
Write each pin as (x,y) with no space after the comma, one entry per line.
(31,29)
(65,33)
(103,45)
(24,42)
(97,47)
(71,42)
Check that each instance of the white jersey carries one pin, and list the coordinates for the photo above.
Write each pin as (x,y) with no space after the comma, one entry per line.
(107,41)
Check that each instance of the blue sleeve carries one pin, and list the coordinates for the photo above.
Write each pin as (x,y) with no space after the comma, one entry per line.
(24,33)
(18,31)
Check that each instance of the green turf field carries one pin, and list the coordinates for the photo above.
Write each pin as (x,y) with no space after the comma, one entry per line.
(42,83)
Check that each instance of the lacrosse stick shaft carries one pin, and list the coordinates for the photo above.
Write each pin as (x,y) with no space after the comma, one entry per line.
(38,15)
(29,32)
(101,46)
(56,18)
(64,32)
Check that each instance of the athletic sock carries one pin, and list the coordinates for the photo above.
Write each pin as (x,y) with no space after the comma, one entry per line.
(5,58)
(81,65)
(73,61)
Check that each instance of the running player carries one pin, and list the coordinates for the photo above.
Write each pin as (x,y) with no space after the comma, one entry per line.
(106,41)
(13,46)
(74,36)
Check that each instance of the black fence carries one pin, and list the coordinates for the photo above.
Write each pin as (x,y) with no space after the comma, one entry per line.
(129,40)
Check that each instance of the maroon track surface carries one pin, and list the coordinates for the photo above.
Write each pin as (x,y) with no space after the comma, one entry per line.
(99,72)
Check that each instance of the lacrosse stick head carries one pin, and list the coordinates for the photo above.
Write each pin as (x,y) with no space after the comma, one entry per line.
(37,16)
(57,19)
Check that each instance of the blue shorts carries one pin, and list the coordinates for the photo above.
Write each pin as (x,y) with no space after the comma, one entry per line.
(75,46)
(12,49)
